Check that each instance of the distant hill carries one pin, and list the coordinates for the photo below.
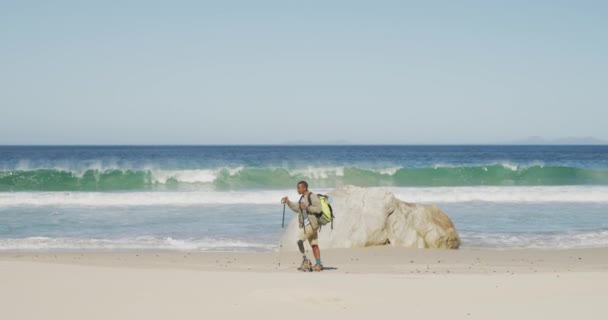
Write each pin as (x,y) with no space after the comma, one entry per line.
(328,142)
(567,140)
(534,140)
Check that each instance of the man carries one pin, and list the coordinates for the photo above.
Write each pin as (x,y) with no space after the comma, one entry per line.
(307,216)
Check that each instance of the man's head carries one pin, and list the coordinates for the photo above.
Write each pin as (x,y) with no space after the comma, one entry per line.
(302,187)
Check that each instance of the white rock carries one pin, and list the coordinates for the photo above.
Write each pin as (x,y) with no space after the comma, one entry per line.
(370,217)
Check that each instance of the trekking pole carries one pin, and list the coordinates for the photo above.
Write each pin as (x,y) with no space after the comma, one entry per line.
(283,222)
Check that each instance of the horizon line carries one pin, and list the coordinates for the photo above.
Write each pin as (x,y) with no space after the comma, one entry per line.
(299,144)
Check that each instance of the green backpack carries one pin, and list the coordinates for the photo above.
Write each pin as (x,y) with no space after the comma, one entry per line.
(327,213)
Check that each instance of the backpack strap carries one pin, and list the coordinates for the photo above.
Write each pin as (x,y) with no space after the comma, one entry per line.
(303,226)
(310,204)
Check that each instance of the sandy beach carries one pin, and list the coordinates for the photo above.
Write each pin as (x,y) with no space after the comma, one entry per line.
(358,283)
(169,160)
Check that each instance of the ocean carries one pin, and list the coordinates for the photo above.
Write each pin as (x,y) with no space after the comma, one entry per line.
(227,198)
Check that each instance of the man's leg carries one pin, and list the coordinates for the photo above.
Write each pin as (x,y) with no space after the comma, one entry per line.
(306,264)
(301,246)
(314,243)
(316,252)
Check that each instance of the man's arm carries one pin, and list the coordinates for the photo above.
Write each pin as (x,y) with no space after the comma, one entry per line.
(294,206)
(315,204)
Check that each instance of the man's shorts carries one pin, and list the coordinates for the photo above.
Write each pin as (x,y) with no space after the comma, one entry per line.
(311,235)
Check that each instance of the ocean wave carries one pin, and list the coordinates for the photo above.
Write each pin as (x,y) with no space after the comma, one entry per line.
(242,178)
(124,199)
(555,240)
(136,243)
(570,194)
(533,194)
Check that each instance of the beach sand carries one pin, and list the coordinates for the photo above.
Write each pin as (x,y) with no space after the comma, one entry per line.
(376,282)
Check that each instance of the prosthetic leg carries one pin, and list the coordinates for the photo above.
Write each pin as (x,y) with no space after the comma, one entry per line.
(306,264)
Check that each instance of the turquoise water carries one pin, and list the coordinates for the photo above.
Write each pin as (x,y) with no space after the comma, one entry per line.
(223,198)
(276,178)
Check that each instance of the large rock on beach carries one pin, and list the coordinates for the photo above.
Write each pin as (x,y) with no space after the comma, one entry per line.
(372,217)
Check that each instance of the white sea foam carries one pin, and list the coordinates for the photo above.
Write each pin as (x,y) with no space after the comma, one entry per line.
(389,171)
(190,176)
(565,240)
(510,166)
(319,172)
(562,240)
(421,195)
(201,176)
(101,199)
(504,194)
(137,243)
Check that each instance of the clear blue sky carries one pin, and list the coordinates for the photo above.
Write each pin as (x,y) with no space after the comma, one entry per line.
(257,72)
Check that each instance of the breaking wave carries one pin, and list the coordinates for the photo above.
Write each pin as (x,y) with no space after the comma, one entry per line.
(222,179)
